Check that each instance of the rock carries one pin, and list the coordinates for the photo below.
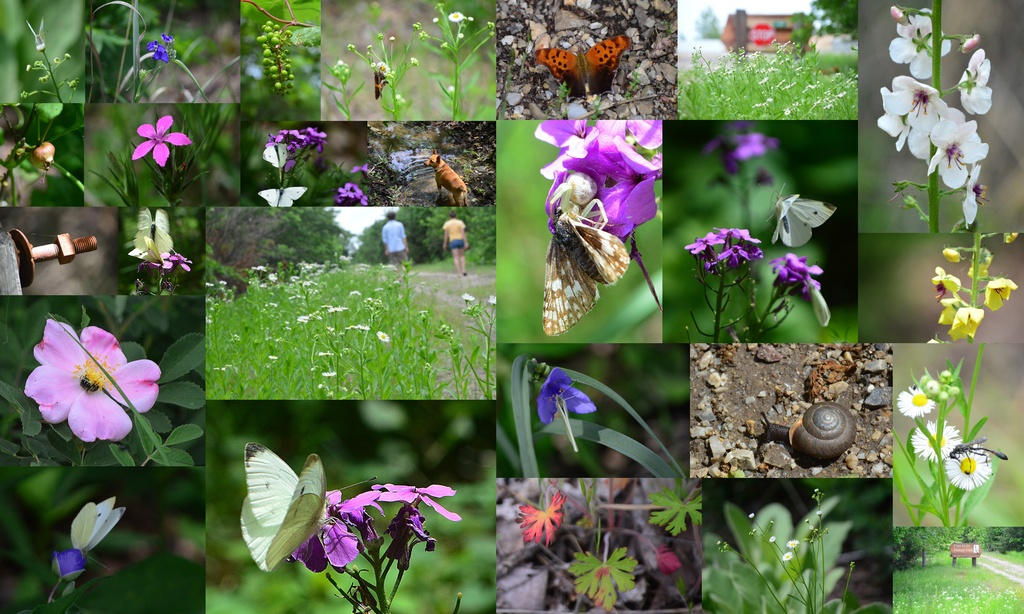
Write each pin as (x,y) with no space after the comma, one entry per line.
(876,366)
(879,397)
(514,98)
(767,353)
(717,380)
(744,459)
(716,447)
(705,360)
(776,456)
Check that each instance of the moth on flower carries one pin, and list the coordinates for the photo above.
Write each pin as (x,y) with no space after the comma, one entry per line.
(580,256)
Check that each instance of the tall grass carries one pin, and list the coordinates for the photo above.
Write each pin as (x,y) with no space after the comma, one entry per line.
(939,587)
(782,85)
(347,332)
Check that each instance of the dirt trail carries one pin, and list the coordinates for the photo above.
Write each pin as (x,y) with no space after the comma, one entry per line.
(447,288)
(1013,571)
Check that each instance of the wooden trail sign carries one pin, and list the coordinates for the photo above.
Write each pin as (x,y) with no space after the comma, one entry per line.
(963,551)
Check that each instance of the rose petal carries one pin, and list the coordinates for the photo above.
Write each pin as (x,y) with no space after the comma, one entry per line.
(97,417)
(138,379)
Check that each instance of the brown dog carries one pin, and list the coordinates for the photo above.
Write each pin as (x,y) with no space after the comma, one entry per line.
(448,179)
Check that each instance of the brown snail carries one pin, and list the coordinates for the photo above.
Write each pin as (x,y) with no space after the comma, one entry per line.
(825,430)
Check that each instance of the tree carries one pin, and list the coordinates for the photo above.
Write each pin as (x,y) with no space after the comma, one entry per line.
(707,24)
(836,16)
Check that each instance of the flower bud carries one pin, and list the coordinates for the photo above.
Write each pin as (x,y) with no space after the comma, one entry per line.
(971,44)
(42,156)
(1009,237)
(68,564)
(951,254)
(899,16)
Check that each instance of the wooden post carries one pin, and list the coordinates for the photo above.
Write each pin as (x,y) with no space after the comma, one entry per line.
(974,562)
(741,31)
(10,280)
(922,557)
(954,561)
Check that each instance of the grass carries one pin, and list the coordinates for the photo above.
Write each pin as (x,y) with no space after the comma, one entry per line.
(782,85)
(351,332)
(939,587)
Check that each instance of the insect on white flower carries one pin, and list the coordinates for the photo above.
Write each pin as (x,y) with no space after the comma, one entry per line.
(580,256)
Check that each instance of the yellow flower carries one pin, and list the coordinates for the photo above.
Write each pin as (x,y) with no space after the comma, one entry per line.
(986,260)
(966,322)
(943,281)
(997,291)
(951,254)
(1009,237)
(948,311)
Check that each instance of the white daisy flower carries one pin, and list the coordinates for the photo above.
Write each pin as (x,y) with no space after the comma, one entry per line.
(914,403)
(923,442)
(969,471)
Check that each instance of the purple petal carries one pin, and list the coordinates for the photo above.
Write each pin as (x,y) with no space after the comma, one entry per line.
(147,131)
(177,138)
(577,402)
(143,149)
(164,124)
(440,510)
(160,153)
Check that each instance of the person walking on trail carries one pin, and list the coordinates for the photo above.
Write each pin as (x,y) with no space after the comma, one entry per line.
(456,239)
(396,247)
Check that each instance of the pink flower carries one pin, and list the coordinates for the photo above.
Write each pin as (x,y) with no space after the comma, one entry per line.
(68,385)
(157,139)
(410,494)
(668,562)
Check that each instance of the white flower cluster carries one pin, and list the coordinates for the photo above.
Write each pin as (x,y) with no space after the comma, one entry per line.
(916,114)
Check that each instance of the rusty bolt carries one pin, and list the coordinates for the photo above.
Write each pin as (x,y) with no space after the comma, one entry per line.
(63,250)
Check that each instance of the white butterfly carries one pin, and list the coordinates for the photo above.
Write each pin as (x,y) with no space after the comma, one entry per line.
(796,217)
(282,197)
(153,236)
(276,154)
(93,523)
(821,310)
(282,510)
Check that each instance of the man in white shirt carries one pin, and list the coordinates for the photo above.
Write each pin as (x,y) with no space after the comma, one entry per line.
(395,245)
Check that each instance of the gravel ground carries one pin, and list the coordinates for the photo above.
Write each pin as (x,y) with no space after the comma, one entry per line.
(733,385)
(526,90)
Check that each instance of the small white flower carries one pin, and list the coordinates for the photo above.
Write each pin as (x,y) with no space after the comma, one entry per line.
(818,512)
(456,17)
(771,539)
(383,337)
(792,544)
(913,44)
(956,147)
(272,357)
(975,94)
(913,403)
(787,557)
(974,192)
(329,373)
(969,471)
(923,443)
(493,300)
(355,293)
(751,516)
(469,298)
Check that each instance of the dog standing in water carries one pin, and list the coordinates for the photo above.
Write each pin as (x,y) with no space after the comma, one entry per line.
(448,179)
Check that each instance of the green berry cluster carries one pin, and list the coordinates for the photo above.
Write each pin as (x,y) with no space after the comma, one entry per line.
(276,43)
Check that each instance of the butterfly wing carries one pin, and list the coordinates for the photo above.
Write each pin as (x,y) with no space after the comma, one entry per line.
(145,223)
(93,523)
(271,484)
(601,62)
(276,154)
(305,513)
(282,197)
(797,216)
(378,83)
(569,294)
(160,233)
(812,212)
(564,67)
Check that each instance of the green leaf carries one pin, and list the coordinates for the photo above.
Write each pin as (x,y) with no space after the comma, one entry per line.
(520,397)
(184,394)
(185,354)
(185,432)
(122,456)
(674,518)
(616,441)
(307,37)
(595,578)
(173,457)
(49,111)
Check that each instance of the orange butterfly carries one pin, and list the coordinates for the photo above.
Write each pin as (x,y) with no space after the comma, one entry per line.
(587,74)
(378,83)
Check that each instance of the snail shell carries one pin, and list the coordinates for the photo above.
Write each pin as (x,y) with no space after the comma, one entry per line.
(825,430)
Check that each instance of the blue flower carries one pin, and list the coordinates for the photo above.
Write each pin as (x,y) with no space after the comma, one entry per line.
(68,564)
(558,392)
(159,51)
(167,38)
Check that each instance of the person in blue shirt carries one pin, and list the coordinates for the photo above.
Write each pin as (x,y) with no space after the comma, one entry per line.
(396,248)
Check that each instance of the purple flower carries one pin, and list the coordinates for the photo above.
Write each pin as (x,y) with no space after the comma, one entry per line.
(337,542)
(739,248)
(67,564)
(795,276)
(406,530)
(157,140)
(411,494)
(350,195)
(159,51)
(167,38)
(557,392)
(365,168)
(738,146)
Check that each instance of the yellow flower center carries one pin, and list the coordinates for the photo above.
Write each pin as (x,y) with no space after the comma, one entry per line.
(90,377)
(968,465)
(920,399)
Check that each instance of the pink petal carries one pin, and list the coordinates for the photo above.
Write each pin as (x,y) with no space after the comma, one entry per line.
(103,346)
(440,510)
(97,417)
(143,149)
(177,138)
(138,379)
(161,153)
(58,348)
(147,131)
(164,124)
(56,391)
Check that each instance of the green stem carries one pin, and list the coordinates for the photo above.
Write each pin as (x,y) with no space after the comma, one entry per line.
(718,306)
(933,179)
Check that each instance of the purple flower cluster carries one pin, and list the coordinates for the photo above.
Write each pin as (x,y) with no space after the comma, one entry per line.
(299,143)
(350,195)
(738,145)
(349,528)
(624,177)
(739,247)
(794,274)
(159,51)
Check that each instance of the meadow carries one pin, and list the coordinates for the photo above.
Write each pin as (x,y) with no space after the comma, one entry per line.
(782,85)
(353,331)
(938,587)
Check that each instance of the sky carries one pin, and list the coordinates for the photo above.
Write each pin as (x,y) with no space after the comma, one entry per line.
(357,219)
(690,10)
